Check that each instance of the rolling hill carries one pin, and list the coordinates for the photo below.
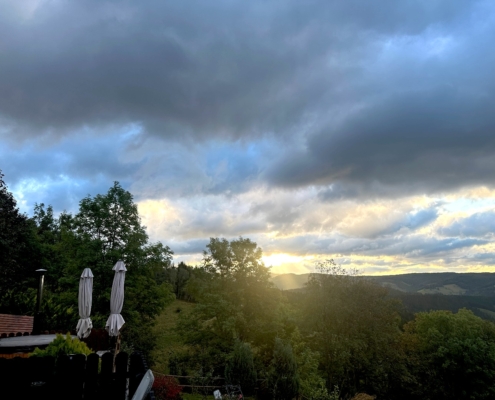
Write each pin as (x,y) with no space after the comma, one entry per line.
(447,283)
(426,291)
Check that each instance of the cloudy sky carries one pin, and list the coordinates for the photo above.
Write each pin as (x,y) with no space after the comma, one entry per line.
(357,130)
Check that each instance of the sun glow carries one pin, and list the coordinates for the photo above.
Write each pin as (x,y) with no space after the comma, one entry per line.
(282,263)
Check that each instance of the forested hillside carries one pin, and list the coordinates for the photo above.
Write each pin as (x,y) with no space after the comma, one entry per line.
(425,291)
(448,283)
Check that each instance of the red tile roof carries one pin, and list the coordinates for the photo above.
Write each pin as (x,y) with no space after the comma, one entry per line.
(15,323)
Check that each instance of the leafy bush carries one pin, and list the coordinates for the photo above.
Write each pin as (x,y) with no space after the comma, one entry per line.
(167,388)
(63,345)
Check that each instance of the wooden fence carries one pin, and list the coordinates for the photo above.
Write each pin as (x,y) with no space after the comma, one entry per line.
(73,377)
(192,384)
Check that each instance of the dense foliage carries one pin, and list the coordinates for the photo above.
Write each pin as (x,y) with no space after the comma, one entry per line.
(106,229)
(355,328)
(235,302)
(283,379)
(339,336)
(240,370)
(451,355)
(18,253)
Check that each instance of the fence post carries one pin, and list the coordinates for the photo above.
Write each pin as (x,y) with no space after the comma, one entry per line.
(106,376)
(120,383)
(91,377)
(136,372)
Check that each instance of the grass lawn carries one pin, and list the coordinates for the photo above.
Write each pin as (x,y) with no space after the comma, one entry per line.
(168,340)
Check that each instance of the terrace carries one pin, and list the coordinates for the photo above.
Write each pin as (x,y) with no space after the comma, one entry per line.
(106,373)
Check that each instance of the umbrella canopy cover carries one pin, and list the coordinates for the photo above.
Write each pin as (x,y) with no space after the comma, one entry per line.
(85,300)
(115,321)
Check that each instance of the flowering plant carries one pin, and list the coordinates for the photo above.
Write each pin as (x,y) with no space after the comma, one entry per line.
(167,388)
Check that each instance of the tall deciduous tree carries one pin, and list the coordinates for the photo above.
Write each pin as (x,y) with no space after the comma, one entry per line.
(235,301)
(108,228)
(238,259)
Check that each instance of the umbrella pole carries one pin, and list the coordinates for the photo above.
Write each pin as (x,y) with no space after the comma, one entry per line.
(115,346)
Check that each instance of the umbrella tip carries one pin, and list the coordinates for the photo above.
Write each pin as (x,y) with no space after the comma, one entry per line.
(87,273)
(119,266)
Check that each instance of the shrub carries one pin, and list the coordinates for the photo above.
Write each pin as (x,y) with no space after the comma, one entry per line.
(282,376)
(62,345)
(167,388)
(240,368)
(321,393)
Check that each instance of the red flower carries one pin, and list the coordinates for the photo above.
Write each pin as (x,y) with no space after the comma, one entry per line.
(166,388)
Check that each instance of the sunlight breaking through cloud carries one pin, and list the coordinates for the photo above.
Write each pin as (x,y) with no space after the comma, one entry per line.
(326,130)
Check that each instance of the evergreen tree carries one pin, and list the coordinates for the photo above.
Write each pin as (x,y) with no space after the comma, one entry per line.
(19,256)
(283,378)
(240,368)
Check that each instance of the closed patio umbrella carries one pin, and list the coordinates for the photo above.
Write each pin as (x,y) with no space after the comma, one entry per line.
(85,300)
(115,321)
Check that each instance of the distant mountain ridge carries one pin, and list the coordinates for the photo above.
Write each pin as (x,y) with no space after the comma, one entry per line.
(447,283)
(426,291)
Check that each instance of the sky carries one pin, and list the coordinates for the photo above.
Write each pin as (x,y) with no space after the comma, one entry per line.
(362,131)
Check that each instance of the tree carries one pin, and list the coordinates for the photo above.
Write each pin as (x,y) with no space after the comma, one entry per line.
(235,301)
(242,285)
(240,368)
(355,328)
(106,229)
(238,259)
(182,276)
(178,277)
(312,385)
(283,378)
(451,355)
(19,254)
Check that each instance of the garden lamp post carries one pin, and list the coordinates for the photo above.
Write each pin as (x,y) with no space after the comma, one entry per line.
(37,322)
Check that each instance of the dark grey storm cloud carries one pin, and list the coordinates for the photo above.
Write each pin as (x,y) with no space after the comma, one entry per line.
(430,139)
(371,98)
(226,68)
